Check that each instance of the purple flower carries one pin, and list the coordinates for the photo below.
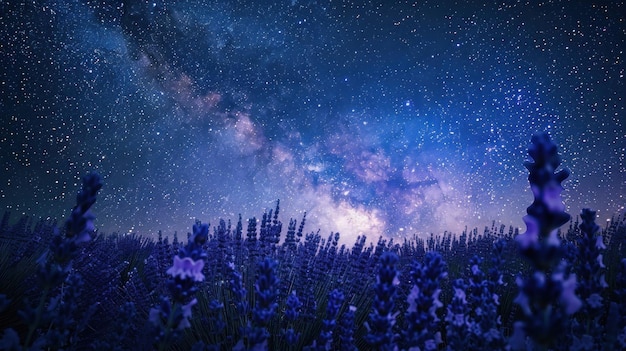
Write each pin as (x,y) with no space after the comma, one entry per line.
(346,330)
(80,223)
(292,306)
(457,318)
(324,341)
(547,296)
(186,310)
(530,238)
(590,270)
(238,290)
(57,313)
(382,318)
(423,301)
(186,267)
(158,315)
(169,318)
(255,335)
(568,298)
(594,300)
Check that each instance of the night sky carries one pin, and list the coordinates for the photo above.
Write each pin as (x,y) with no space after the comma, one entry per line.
(377,118)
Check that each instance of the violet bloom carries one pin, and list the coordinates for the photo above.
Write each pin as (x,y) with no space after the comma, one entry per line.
(170,317)
(324,341)
(255,336)
(457,318)
(292,306)
(186,310)
(57,314)
(483,301)
(422,329)
(238,290)
(80,223)
(186,267)
(547,297)
(382,318)
(346,330)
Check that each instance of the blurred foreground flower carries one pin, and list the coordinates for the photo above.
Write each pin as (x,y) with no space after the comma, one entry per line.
(53,321)
(547,296)
(169,318)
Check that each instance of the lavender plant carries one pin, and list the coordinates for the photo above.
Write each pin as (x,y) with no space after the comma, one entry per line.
(457,318)
(238,291)
(52,321)
(485,323)
(383,317)
(422,323)
(620,308)
(547,296)
(346,330)
(324,340)
(589,270)
(256,335)
(171,317)
(293,304)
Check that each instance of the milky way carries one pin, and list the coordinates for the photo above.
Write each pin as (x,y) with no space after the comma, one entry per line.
(375,118)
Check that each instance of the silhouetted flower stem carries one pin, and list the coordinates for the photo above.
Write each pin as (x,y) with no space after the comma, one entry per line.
(55,264)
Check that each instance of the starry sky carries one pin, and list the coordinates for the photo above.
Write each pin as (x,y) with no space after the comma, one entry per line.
(381,117)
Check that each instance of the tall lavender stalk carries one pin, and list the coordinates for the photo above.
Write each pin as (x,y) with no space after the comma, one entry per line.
(484,321)
(547,295)
(292,312)
(380,334)
(346,330)
(458,327)
(422,329)
(325,339)
(56,314)
(256,335)
(591,283)
(171,317)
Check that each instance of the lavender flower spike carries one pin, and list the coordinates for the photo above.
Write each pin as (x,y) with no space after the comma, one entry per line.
(422,324)
(80,223)
(170,317)
(546,296)
(382,318)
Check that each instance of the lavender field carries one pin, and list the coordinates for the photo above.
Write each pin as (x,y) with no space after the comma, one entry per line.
(255,285)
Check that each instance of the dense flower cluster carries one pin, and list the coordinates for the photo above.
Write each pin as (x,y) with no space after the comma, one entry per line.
(422,327)
(325,339)
(457,318)
(383,317)
(291,315)
(589,269)
(231,289)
